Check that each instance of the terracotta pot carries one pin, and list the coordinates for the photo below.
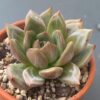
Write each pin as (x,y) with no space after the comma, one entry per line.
(6,96)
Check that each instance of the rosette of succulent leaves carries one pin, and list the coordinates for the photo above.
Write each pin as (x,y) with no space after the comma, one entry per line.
(48,47)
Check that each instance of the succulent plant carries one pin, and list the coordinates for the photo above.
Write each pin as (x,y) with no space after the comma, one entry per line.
(48,47)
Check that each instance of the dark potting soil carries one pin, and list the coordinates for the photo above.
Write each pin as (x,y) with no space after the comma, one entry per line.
(51,90)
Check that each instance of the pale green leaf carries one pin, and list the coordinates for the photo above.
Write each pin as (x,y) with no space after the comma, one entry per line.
(80,39)
(28,39)
(43,36)
(46,15)
(73,24)
(34,22)
(15,32)
(18,51)
(71,74)
(14,72)
(84,56)
(57,22)
(58,39)
(67,55)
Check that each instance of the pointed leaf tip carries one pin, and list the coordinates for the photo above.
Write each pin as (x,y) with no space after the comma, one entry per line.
(15,32)
(36,44)
(46,15)
(57,22)
(57,13)
(34,21)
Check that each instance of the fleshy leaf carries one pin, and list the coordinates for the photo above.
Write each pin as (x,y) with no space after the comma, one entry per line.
(84,56)
(74,24)
(15,32)
(37,58)
(14,72)
(51,73)
(51,52)
(71,74)
(28,39)
(34,22)
(57,22)
(46,15)
(43,36)
(80,39)
(32,78)
(67,55)
(36,44)
(58,39)
(18,51)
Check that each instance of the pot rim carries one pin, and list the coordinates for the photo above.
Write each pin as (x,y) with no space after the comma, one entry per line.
(77,96)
